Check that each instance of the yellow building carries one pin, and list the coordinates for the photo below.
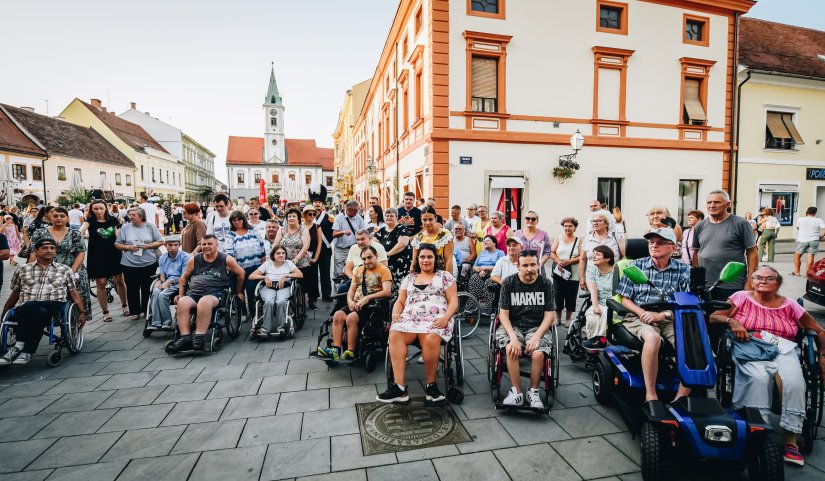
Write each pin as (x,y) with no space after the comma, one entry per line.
(781,154)
(343,138)
(157,172)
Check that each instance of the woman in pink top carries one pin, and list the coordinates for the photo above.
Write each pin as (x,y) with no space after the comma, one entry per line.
(499,230)
(763,313)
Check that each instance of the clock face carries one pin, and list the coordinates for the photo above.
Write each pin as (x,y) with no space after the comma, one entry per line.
(272,111)
(274,142)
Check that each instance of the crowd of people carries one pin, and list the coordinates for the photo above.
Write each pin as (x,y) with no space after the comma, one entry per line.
(415,255)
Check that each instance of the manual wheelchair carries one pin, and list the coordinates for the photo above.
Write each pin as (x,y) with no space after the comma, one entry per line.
(226,316)
(469,310)
(814,389)
(69,336)
(295,312)
(148,328)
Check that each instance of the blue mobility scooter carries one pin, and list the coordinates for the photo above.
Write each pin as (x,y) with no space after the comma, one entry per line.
(695,426)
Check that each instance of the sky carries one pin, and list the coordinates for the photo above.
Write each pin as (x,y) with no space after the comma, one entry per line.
(203,66)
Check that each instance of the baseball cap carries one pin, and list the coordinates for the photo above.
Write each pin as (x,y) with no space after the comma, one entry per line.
(171,238)
(512,240)
(665,233)
(41,242)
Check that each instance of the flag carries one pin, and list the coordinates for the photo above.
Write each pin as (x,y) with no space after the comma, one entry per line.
(262,194)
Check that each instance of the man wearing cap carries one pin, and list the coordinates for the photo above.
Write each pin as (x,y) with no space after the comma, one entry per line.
(507,266)
(172,264)
(39,291)
(668,275)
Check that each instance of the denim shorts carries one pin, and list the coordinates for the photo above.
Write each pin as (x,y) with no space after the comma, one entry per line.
(811,247)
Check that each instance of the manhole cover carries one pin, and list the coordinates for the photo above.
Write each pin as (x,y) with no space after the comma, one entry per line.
(387,428)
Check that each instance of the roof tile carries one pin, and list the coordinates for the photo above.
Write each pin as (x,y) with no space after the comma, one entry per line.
(777,47)
(131,133)
(14,140)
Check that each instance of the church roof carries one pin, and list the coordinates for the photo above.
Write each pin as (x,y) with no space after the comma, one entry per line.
(299,152)
(245,150)
(272,94)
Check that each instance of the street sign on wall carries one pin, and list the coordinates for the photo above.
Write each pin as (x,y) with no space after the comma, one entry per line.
(463,160)
(815,174)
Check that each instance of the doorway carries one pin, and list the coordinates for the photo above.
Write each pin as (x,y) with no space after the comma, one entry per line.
(507,196)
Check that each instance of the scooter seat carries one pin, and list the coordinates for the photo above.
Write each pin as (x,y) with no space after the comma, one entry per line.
(622,337)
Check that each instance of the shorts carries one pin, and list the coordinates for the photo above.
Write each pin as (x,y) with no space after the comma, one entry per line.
(545,345)
(221,295)
(635,326)
(364,313)
(811,247)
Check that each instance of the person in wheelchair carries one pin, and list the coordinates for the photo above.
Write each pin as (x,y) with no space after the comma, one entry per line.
(667,275)
(371,280)
(363,239)
(599,279)
(39,290)
(527,312)
(427,301)
(507,266)
(276,272)
(763,313)
(208,276)
(172,264)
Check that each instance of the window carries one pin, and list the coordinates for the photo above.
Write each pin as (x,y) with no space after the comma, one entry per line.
(694,110)
(276,178)
(609,191)
(419,20)
(292,176)
(79,174)
(404,47)
(273,122)
(118,179)
(37,173)
(419,96)
(257,177)
(18,171)
(781,132)
(329,181)
(696,30)
(783,199)
(167,177)
(612,17)
(160,174)
(308,178)
(142,177)
(128,179)
(241,178)
(688,200)
(484,84)
(405,119)
(486,6)
(61,172)
(102,179)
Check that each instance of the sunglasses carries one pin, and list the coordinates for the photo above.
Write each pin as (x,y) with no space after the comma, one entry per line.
(253,213)
(531,219)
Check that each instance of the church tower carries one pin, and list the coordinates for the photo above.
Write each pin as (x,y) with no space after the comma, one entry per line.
(274,145)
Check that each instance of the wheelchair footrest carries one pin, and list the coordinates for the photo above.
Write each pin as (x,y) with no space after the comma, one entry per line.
(524,407)
(346,362)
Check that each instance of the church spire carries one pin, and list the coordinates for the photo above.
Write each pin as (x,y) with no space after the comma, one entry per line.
(273,97)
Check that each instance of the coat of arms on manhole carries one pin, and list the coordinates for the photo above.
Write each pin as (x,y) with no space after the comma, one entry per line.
(387,428)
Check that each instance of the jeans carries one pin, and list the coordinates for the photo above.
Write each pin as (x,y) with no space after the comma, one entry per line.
(161,305)
(138,282)
(340,259)
(249,290)
(32,317)
(768,237)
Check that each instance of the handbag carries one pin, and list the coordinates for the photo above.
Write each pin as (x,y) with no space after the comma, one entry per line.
(564,272)
(754,350)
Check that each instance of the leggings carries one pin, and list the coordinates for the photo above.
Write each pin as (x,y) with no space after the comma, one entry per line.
(138,281)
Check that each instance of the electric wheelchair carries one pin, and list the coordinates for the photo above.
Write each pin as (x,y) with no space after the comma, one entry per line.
(69,335)
(295,313)
(227,316)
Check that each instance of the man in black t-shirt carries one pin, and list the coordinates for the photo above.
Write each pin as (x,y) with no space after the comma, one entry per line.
(526,311)
(409,215)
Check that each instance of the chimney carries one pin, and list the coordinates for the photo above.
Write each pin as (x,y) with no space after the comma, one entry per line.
(134,105)
(96,103)
(103,109)
(28,109)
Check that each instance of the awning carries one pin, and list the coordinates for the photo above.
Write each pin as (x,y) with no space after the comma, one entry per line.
(693,105)
(779,188)
(787,119)
(506,182)
(777,127)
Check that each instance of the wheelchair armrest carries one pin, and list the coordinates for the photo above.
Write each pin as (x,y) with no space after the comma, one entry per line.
(155,276)
(617,307)
(717,305)
(584,296)
(810,333)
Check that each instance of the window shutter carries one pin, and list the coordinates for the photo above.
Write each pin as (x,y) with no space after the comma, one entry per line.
(777,127)
(485,78)
(787,119)
(693,105)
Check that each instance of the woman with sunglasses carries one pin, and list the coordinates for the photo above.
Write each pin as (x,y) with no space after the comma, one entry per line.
(765,314)
(247,248)
(535,239)
(255,223)
(309,282)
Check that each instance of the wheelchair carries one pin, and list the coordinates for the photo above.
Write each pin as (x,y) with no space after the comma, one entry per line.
(227,316)
(451,364)
(148,328)
(497,367)
(372,336)
(814,389)
(295,314)
(469,309)
(69,336)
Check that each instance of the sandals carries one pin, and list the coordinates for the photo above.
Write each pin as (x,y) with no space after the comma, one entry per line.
(133,318)
(107,317)
(125,310)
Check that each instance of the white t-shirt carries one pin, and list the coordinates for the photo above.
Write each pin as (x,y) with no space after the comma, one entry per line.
(274,273)
(504,268)
(259,229)
(809,228)
(219,227)
(76,216)
(473,221)
(151,212)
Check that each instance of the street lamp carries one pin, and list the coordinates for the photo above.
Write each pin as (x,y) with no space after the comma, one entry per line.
(576,142)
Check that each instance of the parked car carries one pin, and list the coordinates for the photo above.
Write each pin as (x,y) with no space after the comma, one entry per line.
(815,286)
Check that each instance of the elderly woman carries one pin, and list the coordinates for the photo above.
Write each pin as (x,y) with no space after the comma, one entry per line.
(295,238)
(534,239)
(139,240)
(764,313)
(601,221)
(394,238)
(566,252)
(424,310)
(658,216)
(499,230)
(600,286)
(247,248)
(71,251)
(432,233)
(275,272)
(465,252)
(195,228)
(483,266)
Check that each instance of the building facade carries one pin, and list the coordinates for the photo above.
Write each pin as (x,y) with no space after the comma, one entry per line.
(157,172)
(197,160)
(781,155)
(475,102)
(343,139)
(287,166)
(23,155)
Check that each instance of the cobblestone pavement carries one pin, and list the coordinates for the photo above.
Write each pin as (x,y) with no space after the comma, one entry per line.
(123,409)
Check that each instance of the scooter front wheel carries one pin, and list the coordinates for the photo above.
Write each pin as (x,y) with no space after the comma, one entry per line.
(765,460)
(652,452)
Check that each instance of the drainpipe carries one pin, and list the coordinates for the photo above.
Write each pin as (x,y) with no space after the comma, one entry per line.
(43,175)
(736,158)
(734,137)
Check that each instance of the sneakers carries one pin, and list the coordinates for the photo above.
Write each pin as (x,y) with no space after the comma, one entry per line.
(394,395)
(10,356)
(513,398)
(792,456)
(198,342)
(349,355)
(330,353)
(23,358)
(263,332)
(433,394)
(184,343)
(594,343)
(534,399)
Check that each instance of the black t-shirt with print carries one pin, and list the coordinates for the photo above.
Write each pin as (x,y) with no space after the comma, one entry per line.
(527,303)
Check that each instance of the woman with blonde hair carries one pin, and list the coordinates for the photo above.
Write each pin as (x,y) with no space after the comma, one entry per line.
(770,229)
(621,227)
(658,216)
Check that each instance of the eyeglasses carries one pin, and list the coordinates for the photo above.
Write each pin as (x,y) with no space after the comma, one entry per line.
(659,242)
(596,221)
(531,219)
(763,279)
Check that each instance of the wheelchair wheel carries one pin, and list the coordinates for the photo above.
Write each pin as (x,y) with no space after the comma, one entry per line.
(71,334)
(468,314)
(54,358)
(217,341)
(652,452)
(555,358)
(813,396)
(388,367)
(765,460)
(233,317)
(300,307)
(455,395)
(371,361)
(7,337)
(601,383)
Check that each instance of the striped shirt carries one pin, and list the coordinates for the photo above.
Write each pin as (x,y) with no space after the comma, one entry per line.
(674,278)
(779,321)
(247,249)
(38,283)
